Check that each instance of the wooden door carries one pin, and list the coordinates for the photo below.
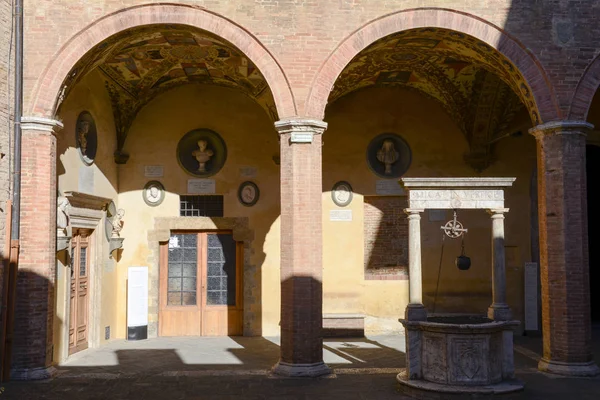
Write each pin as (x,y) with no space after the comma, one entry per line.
(80,268)
(200,285)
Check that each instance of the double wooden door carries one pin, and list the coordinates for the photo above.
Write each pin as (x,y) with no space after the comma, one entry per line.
(80,269)
(200,285)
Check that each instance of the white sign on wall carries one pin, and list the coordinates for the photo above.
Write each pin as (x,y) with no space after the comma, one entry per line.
(340,215)
(531,296)
(137,296)
(201,186)
(153,171)
(389,187)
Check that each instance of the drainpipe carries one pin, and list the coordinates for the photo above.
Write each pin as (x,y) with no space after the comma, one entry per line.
(11,285)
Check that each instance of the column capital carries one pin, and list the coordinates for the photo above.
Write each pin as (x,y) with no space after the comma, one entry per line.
(497,212)
(414,212)
(561,128)
(41,124)
(301,130)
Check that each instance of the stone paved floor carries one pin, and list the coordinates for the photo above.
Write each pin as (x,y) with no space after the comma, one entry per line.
(228,368)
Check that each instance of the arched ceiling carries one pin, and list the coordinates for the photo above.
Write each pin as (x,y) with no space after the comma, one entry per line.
(140,63)
(478,87)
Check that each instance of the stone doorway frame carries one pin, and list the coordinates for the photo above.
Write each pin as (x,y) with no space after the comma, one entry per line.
(87,212)
(241,231)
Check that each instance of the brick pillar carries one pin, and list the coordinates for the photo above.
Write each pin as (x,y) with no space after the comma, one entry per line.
(34,312)
(301,249)
(564,269)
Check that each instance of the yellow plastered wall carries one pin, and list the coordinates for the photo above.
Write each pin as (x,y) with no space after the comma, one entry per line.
(437,148)
(251,141)
(89,95)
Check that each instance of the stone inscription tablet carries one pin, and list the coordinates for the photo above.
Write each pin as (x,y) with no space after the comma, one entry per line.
(389,187)
(201,186)
(153,171)
(340,215)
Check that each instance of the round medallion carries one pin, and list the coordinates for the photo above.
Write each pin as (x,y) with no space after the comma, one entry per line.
(341,193)
(86,137)
(388,156)
(201,152)
(248,193)
(153,193)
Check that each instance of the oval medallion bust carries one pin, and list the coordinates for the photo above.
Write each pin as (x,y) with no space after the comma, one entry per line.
(201,152)
(86,137)
(388,156)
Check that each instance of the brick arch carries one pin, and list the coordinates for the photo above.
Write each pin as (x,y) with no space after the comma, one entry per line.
(585,91)
(48,86)
(403,20)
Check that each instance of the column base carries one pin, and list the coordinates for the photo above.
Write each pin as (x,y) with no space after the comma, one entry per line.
(32,374)
(415,312)
(301,370)
(499,312)
(569,369)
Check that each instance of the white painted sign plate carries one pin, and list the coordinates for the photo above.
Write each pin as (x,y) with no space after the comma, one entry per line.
(389,187)
(248,172)
(201,186)
(137,296)
(301,137)
(154,171)
(340,215)
(531,296)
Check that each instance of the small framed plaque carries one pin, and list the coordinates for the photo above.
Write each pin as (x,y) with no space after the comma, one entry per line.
(248,193)
(341,193)
(154,193)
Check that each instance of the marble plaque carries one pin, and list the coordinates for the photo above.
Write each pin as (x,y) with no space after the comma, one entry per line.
(86,180)
(531,296)
(248,172)
(153,171)
(201,186)
(456,198)
(301,137)
(340,215)
(389,187)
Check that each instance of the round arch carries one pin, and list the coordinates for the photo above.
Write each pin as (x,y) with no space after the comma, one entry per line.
(48,86)
(585,91)
(495,37)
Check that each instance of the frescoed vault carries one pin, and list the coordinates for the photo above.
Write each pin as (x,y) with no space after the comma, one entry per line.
(478,87)
(142,63)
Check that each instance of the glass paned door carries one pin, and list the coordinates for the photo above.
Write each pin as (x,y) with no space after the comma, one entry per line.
(200,285)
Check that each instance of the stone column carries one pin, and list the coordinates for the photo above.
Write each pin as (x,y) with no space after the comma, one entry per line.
(301,249)
(34,309)
(415,311)
(564,269)
(499,310)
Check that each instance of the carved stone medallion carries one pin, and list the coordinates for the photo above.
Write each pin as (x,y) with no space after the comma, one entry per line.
(86,137)
(248,193)
(388,156)
(201,152)
(341,194)
(153,193)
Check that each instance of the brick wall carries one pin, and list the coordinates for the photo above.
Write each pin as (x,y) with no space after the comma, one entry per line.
(302,33)
(386,237)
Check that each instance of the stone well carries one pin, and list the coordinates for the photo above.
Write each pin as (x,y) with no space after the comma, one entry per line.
(461,354)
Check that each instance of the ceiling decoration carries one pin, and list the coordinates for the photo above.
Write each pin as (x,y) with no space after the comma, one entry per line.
(141,63)
(478,87)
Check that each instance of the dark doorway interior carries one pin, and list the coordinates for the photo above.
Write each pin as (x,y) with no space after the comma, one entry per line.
(593,193)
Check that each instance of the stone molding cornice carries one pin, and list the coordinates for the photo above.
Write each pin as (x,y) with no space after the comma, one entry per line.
(301,130)
(561,128)
(41,124)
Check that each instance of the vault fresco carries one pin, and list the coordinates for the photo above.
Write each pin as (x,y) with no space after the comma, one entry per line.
(141,63)
(478,87)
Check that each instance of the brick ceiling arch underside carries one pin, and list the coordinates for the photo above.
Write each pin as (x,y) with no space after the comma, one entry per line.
(477,86)
(143,62)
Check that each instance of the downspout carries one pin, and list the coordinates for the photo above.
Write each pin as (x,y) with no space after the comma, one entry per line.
(11,285)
